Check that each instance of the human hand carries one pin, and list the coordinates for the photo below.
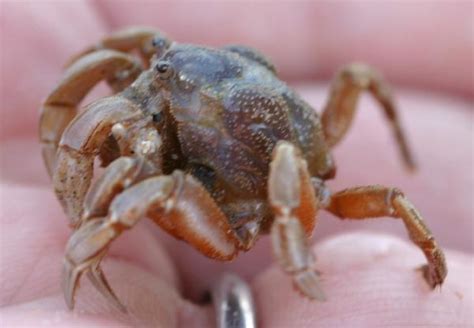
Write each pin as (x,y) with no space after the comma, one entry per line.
(369,278)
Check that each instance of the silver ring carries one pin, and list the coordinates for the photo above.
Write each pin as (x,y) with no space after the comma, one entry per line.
(233,303)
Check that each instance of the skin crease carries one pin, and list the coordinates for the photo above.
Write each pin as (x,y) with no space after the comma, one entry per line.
(368,277)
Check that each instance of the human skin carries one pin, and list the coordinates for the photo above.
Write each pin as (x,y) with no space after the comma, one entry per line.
(369,276)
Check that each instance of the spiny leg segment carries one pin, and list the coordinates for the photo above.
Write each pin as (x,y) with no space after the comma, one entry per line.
(137,38)
(378,201)
(340,108)
(290,194)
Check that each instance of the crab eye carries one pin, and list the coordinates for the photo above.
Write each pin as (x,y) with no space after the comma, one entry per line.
(164,69)
(156,117)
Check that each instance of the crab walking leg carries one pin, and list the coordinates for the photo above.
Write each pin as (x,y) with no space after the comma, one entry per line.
(288,181)
(79,146)
(119,175)
(60,107)
(345,90)
(133,38)
(379,201)
(176,202)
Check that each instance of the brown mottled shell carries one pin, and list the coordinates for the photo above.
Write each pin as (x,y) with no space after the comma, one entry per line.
(234,116)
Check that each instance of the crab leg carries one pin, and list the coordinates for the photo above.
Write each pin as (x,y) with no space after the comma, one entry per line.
(61,105)
(126,40)
(339,111)
(119,175)
(79,146)
(292,197)
(176,202)
(379,201)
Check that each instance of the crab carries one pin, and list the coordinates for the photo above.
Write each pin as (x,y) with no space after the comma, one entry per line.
(215,149)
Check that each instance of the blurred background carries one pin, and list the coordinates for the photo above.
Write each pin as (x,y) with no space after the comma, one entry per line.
(424,48)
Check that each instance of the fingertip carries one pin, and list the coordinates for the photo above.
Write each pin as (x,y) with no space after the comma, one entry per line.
(370,280)
(150,302)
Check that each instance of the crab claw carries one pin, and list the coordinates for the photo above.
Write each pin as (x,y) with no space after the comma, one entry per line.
(84,251)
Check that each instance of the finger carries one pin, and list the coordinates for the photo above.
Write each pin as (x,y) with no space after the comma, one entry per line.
(21,163)
(370,281)
(33,236)
(309,39)
(150,302)
(37,39)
